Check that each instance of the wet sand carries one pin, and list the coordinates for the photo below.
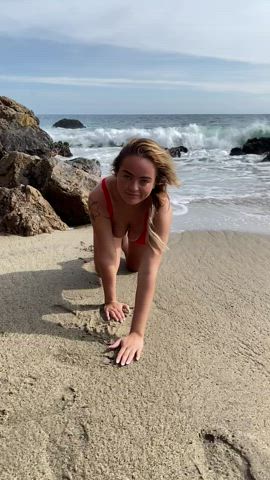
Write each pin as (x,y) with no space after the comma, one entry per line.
(196,406)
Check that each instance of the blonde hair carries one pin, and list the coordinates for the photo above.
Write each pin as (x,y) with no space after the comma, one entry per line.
(161,159)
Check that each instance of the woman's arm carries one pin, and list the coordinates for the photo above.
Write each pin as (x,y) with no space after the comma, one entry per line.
(146,283)
(105,256)
(132,345)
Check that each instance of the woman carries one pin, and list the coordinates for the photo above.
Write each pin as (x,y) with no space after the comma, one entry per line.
(131,211)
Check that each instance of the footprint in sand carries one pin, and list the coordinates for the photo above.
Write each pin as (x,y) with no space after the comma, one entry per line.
(224,460)
(4,414)
(29,380)
(68,398)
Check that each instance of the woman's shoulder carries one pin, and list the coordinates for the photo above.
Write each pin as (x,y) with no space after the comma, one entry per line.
(97,203)
(98,192)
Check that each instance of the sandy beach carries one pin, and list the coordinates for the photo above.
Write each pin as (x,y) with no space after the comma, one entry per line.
(195,407)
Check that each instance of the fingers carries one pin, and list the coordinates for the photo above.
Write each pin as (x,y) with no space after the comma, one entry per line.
(125,308)
(116,311)
(120,356)
(114,314)
(125,356)
(115,344)
(130,357)
(138,354)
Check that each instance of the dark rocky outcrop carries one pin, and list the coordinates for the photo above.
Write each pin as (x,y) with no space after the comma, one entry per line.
(16,169)
(256,146)
(20,131)
(66,188)
(88,165)
(61,148)
(23,211)
(176,151)
(68,123)
(267,158)
(236,151)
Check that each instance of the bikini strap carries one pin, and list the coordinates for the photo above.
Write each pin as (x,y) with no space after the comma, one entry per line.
(107,197)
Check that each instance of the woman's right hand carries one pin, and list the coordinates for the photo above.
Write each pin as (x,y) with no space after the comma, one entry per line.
(116,311)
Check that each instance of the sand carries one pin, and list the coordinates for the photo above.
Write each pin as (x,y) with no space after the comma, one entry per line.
(196,406)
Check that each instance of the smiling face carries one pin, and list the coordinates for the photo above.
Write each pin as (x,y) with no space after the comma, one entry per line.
(135,179)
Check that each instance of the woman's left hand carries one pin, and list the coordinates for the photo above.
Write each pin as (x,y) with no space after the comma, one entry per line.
(131,348)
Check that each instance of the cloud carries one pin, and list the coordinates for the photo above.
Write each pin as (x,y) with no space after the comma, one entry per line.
(234,30)
(255,87)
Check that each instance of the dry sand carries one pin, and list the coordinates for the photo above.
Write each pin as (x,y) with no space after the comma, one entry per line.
(196,406)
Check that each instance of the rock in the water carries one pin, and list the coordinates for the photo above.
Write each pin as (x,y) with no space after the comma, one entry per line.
(267,158)
(23,211)
(16,169)
(66,188)
(88,165)
(69,123)
(20,131)
(236,151)
(176,151)
(61,148)
(257,146)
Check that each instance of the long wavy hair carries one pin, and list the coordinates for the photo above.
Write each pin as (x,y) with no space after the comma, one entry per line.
(161,159)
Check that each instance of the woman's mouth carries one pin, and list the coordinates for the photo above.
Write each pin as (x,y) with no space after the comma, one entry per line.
(135,195)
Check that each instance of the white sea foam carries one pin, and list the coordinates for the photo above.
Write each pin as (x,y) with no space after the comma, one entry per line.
(193,135)
(179,208)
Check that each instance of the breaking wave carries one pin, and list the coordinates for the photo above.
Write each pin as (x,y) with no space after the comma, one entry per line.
(193,136)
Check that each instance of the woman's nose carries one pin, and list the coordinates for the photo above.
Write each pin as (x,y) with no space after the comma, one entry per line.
(134,186)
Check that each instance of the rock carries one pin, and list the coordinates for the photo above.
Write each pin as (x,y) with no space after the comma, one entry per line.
(20,131)
(16,169)
(267,158)
(176,151)
(66,188)
(69,123)
(61,148)
(236,151)
(88,165)
(23,211)
(257,146)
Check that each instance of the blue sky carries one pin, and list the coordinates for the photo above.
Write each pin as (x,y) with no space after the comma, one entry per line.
(176,56)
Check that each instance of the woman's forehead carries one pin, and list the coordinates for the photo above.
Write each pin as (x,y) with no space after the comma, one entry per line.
(138,166)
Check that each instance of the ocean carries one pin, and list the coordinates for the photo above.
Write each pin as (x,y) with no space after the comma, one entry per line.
(217,192)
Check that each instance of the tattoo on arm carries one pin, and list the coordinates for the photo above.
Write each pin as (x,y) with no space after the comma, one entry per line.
(95,211)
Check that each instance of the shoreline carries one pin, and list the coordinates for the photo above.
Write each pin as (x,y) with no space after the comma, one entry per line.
(197,403)
(218,217)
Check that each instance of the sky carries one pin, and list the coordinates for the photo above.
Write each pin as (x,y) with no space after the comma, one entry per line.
(154,56)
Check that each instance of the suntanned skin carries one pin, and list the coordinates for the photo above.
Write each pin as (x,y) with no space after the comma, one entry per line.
(130,193)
